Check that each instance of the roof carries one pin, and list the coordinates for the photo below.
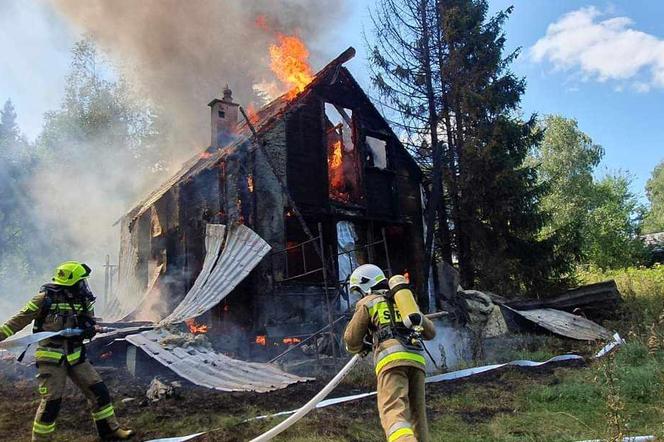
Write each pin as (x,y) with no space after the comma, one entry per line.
(265,119)
(207,368)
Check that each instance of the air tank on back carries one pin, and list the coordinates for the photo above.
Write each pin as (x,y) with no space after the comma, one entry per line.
(405,302)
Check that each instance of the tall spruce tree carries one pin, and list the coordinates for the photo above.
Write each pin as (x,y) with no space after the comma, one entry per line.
(488,195)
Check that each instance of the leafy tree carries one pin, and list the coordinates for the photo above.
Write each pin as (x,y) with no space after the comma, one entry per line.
(566,159)
(440,66)
(100,147)
(654,219)
(594,222)
(61,196)
(16,228)
(610,235)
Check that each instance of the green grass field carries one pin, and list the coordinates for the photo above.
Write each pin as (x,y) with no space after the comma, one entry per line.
(607,399)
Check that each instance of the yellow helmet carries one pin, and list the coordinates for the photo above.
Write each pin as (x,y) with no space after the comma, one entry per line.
(70,272)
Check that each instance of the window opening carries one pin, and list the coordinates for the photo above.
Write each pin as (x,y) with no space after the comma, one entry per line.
(378,152)
(343,170)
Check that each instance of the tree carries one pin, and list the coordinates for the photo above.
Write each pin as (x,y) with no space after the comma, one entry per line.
(100,146)
(16,228)
(439,66)
(9,132)
(595,222)
(610,235)
(654,219)
(566,159)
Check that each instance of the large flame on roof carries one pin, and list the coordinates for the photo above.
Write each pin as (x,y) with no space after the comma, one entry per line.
(289,60)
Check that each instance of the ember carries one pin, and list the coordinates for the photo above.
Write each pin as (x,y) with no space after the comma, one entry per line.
(250,183)
(291,341)
(194,328)
(261,340)
(289,61)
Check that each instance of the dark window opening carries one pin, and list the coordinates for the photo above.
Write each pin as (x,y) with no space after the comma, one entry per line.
(222,114)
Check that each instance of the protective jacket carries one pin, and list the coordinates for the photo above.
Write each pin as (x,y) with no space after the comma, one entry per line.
(373,318)
(398,363)
(54,309)
(57,308)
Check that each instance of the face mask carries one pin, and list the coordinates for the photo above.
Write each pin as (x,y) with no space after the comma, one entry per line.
(82,288)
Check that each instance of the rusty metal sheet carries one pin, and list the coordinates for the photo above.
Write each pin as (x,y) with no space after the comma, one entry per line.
(565,324)
(204,367)
(242,251)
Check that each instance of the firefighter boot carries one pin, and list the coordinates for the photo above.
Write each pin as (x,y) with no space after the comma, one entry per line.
(119,434)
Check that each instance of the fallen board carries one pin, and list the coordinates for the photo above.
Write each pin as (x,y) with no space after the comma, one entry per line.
(565,324)
(205,367)
(594,300)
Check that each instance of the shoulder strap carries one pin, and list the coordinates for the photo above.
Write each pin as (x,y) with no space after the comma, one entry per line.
(48,291)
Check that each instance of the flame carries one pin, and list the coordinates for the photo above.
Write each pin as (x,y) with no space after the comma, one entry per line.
(336,172)
(252,114)
(194,328)
(289,61)
(261,340)
(250,183)
(205,155)
(406,275)
(291,341)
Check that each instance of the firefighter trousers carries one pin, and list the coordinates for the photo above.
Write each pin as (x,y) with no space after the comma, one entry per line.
(52,380)
(401,404)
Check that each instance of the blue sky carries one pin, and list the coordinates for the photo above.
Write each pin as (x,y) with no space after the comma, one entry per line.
(603,65)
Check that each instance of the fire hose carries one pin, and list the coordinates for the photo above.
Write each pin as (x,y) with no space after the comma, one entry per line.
(306,408)
(36,337)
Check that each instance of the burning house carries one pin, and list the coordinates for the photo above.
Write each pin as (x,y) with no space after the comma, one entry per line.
(255,236)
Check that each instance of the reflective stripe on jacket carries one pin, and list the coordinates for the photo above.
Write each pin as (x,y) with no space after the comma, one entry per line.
(59,316)
(373,313)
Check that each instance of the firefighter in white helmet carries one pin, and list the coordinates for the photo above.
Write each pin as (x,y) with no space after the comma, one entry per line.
(399,362)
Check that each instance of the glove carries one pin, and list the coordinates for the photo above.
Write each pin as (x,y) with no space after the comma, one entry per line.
(367,346)
(89,328)
(89,332)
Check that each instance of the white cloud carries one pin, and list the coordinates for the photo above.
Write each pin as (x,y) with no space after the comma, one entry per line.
(603,49)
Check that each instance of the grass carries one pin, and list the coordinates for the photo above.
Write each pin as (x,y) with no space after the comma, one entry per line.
(619,395)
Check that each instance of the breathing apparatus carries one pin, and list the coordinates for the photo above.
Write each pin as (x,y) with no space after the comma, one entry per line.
(402,296)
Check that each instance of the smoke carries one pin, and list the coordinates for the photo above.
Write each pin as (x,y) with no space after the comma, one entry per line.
(450,348)
(182,54)
(177,56)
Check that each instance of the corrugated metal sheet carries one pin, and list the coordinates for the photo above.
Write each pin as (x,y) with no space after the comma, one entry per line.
(565,324)
(243,250)
(205,367)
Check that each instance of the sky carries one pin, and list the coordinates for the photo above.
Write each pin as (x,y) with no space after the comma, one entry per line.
(599,62)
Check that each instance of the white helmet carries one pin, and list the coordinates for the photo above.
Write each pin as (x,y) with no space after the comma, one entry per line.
(365,277)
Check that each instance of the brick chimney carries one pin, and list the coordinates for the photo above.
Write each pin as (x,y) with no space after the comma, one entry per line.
(223,119)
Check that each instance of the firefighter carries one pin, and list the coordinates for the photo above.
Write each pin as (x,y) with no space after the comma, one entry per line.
(398,358)
(66,303)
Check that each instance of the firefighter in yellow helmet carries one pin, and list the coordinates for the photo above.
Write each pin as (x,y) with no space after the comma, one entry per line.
(398,357)
(66,303)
